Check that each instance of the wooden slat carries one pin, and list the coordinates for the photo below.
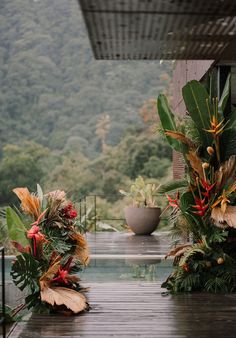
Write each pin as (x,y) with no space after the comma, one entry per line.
(139,310)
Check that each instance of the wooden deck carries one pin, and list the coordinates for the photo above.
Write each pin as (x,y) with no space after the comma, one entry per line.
(139,310)
(136,309)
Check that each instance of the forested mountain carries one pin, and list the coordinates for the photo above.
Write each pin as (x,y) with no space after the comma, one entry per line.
(80,118)
(52,89)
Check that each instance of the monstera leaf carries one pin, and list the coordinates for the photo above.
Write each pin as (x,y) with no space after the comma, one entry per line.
(25,272)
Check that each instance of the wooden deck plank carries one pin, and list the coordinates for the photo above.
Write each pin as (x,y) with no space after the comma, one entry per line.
(139,310)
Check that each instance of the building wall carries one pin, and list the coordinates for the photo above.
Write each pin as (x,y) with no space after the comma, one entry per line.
(185,70)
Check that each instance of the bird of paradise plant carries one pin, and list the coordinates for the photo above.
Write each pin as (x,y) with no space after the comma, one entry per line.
(51,251)
(204,207)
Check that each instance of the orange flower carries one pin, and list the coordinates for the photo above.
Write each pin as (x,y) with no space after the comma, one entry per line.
(30,204)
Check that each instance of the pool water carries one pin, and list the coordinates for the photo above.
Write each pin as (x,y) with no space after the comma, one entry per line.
(122,269)
(112,270)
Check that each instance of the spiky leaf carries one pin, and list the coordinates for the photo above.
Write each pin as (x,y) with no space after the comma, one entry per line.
(172,186)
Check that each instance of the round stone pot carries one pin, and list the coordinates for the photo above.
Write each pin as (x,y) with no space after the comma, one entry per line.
(142,221)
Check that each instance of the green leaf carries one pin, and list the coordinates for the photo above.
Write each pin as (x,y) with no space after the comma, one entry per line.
(195,98)
(40,193)
(16,228)
(225,95)
(167,120)
(26,272)
(172,186)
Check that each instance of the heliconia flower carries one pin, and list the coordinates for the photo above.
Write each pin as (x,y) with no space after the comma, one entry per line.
(36,236)
(173,202)
(216,127)
(200,206)
(208,187)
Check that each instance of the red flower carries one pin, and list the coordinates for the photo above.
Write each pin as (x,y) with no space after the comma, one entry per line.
(36,236)
(200,206)
(185,267)
(61,276)
(173,202)
(68,211)
(208,187)
(73,213)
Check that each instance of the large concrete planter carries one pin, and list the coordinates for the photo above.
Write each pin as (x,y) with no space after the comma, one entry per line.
(142,221)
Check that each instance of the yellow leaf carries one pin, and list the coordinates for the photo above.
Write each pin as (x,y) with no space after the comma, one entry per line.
(72,299)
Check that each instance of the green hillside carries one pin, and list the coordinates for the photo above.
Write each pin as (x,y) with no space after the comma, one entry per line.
(80,118)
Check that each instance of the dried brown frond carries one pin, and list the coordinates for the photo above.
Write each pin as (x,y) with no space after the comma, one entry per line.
(226,174)
(195,163)
(72,299)
(224,219)
(30,204)
(178,251)
(182,138)
(49,274)
(81,248)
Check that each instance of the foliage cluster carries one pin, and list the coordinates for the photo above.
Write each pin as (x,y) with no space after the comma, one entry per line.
(204,205)
(50,251)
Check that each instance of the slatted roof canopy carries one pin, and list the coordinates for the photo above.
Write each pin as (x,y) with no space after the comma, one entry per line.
(161,29)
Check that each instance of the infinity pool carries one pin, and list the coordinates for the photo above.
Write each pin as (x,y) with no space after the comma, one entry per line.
(121,269)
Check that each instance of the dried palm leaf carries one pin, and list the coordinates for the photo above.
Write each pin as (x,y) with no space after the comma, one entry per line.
(178,251)
(30,204)
(195,163)
(72,299)
(224,219)
(181,137)
(226,172)
(50,273)
(81,248)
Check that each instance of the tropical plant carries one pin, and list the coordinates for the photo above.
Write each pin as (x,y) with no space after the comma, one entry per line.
(204,202)
(142,194)
(51,250)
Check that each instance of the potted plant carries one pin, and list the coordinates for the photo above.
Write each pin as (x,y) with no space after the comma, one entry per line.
(144,215)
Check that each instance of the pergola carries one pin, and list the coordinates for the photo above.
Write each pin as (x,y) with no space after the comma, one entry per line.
(161,29)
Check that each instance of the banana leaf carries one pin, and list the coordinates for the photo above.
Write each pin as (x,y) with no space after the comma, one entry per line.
(167,120)
(16,228)
(195,98)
